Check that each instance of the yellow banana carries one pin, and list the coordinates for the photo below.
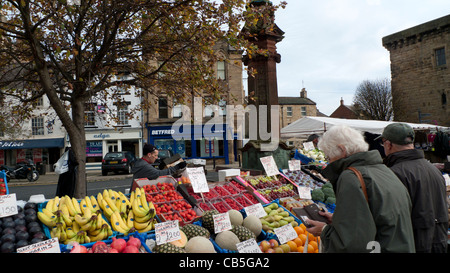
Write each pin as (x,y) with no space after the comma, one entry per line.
(94,203)
(116,224)
(89,203)
(144,219)
(76,205)
(137,210)
(141,226)
(66,218)
(49,222)
(111,203)
(105,194)
(56,202)
(150,226)
(68,202)
(151,209)
(144,202)
(106,208)
(75,226)
(130,219)
(48,212)
(124,198)
(132,197)
(87,226)
(49,205)
(81,220)
(70,233)
(100,236)
(100,221)
(55,232)
(119,218)
(123,207)
(87,213)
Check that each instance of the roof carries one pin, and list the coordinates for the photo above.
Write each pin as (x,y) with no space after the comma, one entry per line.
(295,101)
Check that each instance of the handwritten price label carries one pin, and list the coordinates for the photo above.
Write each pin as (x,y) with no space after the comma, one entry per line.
(269,165)
(221,222)
(294,165)
(304,192)
(167,232)
(285,233)
(47,246)
(8,205)
(249,246)
(198,179)
(256,209)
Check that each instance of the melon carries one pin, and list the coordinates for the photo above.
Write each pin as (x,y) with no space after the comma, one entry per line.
(253,223)
(235,217)
(227,240)
(181,242)
(199,244)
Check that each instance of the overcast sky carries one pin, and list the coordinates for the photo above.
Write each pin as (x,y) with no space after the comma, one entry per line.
(330,46)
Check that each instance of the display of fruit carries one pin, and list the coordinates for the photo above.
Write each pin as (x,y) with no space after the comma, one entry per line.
(277,216)
(239,187)
(3,189)
(271,194)
(303,179)
(208,220)
(264,182)
(220,205)
(118,245)
(243,233)
(315,154)
(192,230)
(21,229)
(188,215)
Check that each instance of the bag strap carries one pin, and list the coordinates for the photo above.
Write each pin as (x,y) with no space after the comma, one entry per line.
(361,181)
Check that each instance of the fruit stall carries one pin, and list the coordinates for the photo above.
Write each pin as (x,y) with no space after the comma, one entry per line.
(244,214)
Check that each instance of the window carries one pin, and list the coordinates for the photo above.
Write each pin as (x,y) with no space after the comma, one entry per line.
(303,111)
(89,115)
(440,56)
(37,126)
(289,111)
(176,109)
(221,70)
(122,114)
(162,108)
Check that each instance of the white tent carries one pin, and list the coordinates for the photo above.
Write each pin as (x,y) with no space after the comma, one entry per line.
(306,126)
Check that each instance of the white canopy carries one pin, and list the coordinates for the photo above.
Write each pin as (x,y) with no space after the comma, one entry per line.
(306,126)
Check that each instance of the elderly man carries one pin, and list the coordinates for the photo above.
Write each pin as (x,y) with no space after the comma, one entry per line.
(425,184)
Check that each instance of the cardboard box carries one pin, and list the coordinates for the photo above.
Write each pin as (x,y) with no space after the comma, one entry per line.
(140,182)
(223,174)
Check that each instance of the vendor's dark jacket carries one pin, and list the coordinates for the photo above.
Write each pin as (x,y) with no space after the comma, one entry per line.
(143,169)
(384,221)
(426,186)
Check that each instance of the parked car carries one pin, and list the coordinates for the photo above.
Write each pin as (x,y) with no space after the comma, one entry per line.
(162,154)
(118,162)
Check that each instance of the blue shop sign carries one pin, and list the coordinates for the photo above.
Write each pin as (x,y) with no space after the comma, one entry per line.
(31,143)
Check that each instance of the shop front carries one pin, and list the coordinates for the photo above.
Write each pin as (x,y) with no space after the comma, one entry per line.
(100,142)
(40,151)
(202,141)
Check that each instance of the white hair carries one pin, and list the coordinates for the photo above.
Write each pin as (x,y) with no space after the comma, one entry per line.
(351,139)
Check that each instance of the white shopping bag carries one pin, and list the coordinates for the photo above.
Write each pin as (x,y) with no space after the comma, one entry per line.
(62,165)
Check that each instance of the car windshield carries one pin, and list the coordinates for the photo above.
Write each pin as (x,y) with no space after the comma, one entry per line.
(113,155)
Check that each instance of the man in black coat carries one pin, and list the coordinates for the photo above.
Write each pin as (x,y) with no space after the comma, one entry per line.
(425,184)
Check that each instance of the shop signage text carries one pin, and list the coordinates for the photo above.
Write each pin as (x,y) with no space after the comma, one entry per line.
(11,144)
(102,136)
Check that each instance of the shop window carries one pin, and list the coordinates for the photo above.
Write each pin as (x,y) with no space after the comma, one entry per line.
(162,108)
(37,126)
(440,56)
(289,111)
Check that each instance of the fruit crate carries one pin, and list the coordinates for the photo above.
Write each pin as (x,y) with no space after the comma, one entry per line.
(3,184)
(220,205)
(144,181)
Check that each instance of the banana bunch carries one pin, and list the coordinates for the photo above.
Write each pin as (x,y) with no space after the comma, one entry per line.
(70,220)
(144,212)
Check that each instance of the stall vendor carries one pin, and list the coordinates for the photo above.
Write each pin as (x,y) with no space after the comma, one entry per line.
(143,168)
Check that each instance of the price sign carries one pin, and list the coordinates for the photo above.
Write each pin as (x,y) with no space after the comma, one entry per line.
(249,246)
(167,232)
(269,165)
(8,205)
(304,192)
(47,246)
(198,179)
(294,165)
(308,146)
(221,222)
(256,209)
(285,233)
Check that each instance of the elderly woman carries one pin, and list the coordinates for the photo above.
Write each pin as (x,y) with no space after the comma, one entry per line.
(382,222)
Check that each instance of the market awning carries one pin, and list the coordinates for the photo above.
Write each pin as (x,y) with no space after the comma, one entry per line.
(32,143)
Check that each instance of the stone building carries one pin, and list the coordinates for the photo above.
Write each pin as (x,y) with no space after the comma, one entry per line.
(420,72)
(294,108)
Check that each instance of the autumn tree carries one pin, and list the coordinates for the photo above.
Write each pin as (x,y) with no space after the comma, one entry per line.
(72,52)
(373,100)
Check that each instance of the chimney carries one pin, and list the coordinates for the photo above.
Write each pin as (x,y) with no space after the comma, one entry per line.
(303,93)
(342,101)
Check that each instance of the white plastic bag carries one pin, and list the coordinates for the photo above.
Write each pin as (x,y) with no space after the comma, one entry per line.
(62,165)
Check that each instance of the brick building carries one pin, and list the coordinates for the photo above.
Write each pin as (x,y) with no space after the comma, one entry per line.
(420,72)
(344,111)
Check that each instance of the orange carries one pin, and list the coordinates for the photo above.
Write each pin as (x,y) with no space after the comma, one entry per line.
(292,245)
(314,245)
(302,237)
(298,241)
(300,249)
(302,226)
(299,230)
(311,237)
(310,249)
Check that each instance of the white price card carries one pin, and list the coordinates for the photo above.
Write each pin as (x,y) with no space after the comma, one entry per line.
(248,246)
(8,205)
(167,232)
(294,165)
(221,222)
(269,165)
(304,192)
(198,179)
(47,246)
(285,233)
(308,146)
(256,209)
